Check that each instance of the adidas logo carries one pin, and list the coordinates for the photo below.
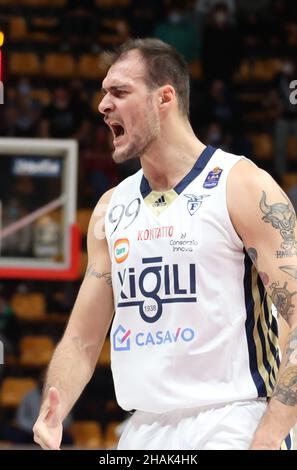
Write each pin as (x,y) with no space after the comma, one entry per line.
(160,202)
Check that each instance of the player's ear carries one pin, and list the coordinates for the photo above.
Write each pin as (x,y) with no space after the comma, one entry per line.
(166,96)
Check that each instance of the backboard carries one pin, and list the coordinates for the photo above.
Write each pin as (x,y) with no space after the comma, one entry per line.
(38,183)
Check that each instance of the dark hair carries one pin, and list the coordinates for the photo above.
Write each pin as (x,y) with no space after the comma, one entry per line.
(164,65)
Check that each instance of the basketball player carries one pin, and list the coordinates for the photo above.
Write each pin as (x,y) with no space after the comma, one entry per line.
(195,248)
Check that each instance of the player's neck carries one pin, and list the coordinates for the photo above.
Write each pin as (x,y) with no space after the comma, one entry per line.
(171,157)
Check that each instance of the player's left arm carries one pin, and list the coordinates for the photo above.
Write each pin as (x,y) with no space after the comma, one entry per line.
(265,220)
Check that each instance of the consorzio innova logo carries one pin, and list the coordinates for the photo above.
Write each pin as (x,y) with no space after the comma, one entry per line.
(1,93)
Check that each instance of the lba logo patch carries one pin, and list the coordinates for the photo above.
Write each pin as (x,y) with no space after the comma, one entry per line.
(121,249)
(213,178)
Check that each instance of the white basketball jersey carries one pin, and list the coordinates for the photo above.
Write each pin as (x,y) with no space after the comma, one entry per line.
(193,325)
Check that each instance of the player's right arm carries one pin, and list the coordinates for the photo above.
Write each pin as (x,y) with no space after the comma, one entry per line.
(76,355)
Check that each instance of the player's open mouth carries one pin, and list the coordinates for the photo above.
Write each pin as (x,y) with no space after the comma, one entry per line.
(117,130)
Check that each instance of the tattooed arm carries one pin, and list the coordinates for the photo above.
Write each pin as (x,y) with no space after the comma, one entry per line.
(76,355)
(265,220)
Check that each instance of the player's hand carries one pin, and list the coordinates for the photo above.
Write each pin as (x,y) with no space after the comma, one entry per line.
(48,428)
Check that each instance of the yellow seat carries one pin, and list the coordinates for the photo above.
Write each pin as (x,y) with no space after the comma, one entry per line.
(104,358)
(87,434)
(244,72)
(18,28)
(39,22)
(112,437)
(97,97)
(275,66)
(266,69)
(196,71)
(262,146)
(59,65)
(13,390)
(291,28)
(260,70)
(289,180)
(120,32)
(89,67)
(113,3)
(24,63)
(43,3)
(42,95)
(292,147)
(36,351)
(82,219)
(29,306)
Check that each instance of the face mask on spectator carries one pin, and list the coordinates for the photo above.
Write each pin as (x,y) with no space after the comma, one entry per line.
(214,137)
(288,68)
(175,17)
(24,89)
(220,18)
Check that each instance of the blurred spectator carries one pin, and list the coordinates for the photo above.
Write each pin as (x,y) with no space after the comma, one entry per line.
(219,106)
(61,297)
(180,31)
(144,14)
(18,242)
(286,124)
(27,412)
(8,113)
(21,112)
(221,45)
(216,137)
(205,6)
(262,35)
(253,6)
(63,118)
(129,167)
(80,103)
(285,13)
(98,167)
(272,106)
(79,23)
(9,327)
(28,111)
(47,238)
(242,145)
(252,31)
(292,193)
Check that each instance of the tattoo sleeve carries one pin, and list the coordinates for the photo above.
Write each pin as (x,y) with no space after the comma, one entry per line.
(282,300)
(282,217)
(286,388)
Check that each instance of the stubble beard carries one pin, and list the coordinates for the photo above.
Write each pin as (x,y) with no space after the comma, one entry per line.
(141,142)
